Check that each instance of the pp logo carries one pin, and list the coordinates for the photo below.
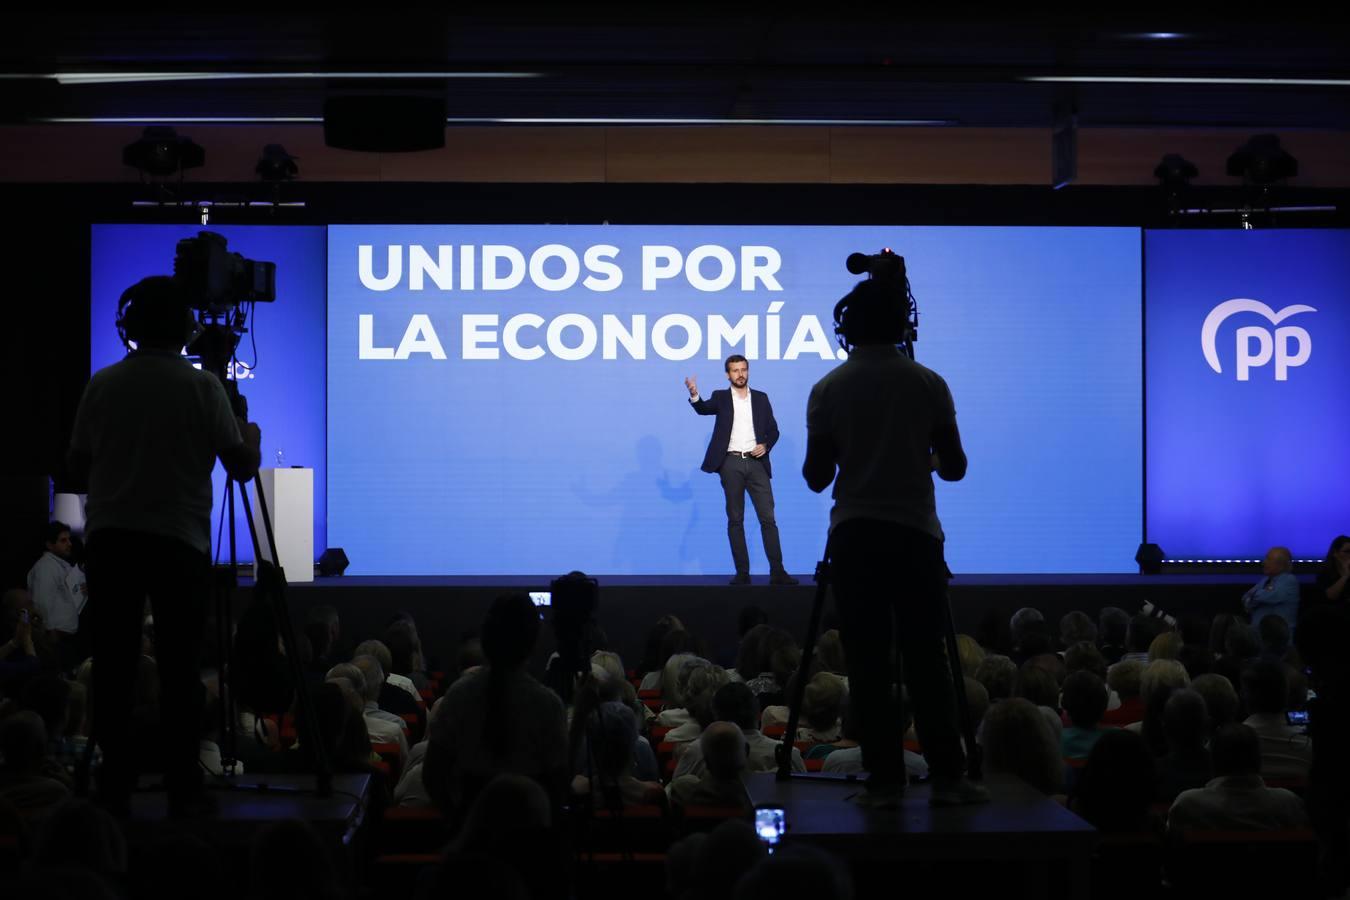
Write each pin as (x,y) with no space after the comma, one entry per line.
(1290,346)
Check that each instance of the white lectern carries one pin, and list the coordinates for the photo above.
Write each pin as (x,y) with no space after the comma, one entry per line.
(69,508)
(290,503)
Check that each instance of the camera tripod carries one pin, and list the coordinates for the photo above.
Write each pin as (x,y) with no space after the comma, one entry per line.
(216,346)
(822,579)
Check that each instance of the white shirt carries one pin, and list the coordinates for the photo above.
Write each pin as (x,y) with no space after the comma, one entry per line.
(879,410)
(742,423)
(761,756)
(152,426)
(405,683)
(1236,803)
(59,592)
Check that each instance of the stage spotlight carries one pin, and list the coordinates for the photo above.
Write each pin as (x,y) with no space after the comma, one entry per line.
(1262,161)
(162,152)
(332,562)
(1175,172)
(1150,559)
(276,165)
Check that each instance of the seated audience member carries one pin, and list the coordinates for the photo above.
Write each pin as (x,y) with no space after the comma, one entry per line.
(653,658)
(1084,655)
(289,860)
(1031,635)
(708,866)
(1276,594)
(797,870)
(1322,642)
(1123,678)
(1218,632)
(1221,701)
(23,742)
(1112,625)
(499,720)
(822,704)
(1084,702)
(595,688)
(380,729)
(405,655)
(735,703)
(844,756)
(398,695)
(977,702)
(1018,741)
(376,687)
(324,630)
(509,838)
(704,682)
(1195,659)
(612,665)
(756,662)
(1139,636)
(1237,799)
(1286,752)
(1036,684)
(79,834)
(1242,645)
(1114,789)
(19,654)
(998,674)
(830,654)
(1160,679)
(674,682)
(1276,638)
(1329,589)
(1187,763)
(1165,646)
(606,778)
(49,697)
(674,642)
(720,781)
(1076,627)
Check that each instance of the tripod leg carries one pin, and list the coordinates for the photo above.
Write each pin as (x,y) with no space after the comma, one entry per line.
(804,667)
(271,588)
(973,761)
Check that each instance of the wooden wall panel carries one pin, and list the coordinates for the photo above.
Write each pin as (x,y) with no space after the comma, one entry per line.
(712,154)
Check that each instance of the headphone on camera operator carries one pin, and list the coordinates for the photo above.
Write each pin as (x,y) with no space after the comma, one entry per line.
(154,314)
(879,310)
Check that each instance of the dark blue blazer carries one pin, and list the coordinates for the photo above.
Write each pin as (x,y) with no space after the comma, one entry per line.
(720,405)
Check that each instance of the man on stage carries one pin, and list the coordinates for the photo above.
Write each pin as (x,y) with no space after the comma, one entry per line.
(743,435)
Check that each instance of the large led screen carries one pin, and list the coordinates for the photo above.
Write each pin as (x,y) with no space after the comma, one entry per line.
(510,399)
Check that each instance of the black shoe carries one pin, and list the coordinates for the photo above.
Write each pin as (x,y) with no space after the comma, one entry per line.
(740,578)
(782,578)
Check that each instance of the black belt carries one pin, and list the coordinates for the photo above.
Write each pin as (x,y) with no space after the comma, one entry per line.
(743,455)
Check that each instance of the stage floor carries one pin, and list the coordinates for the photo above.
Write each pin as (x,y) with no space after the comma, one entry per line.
(1020,827)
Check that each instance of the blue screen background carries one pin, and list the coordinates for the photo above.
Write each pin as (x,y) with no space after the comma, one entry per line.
(1237,467)
(538,467)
